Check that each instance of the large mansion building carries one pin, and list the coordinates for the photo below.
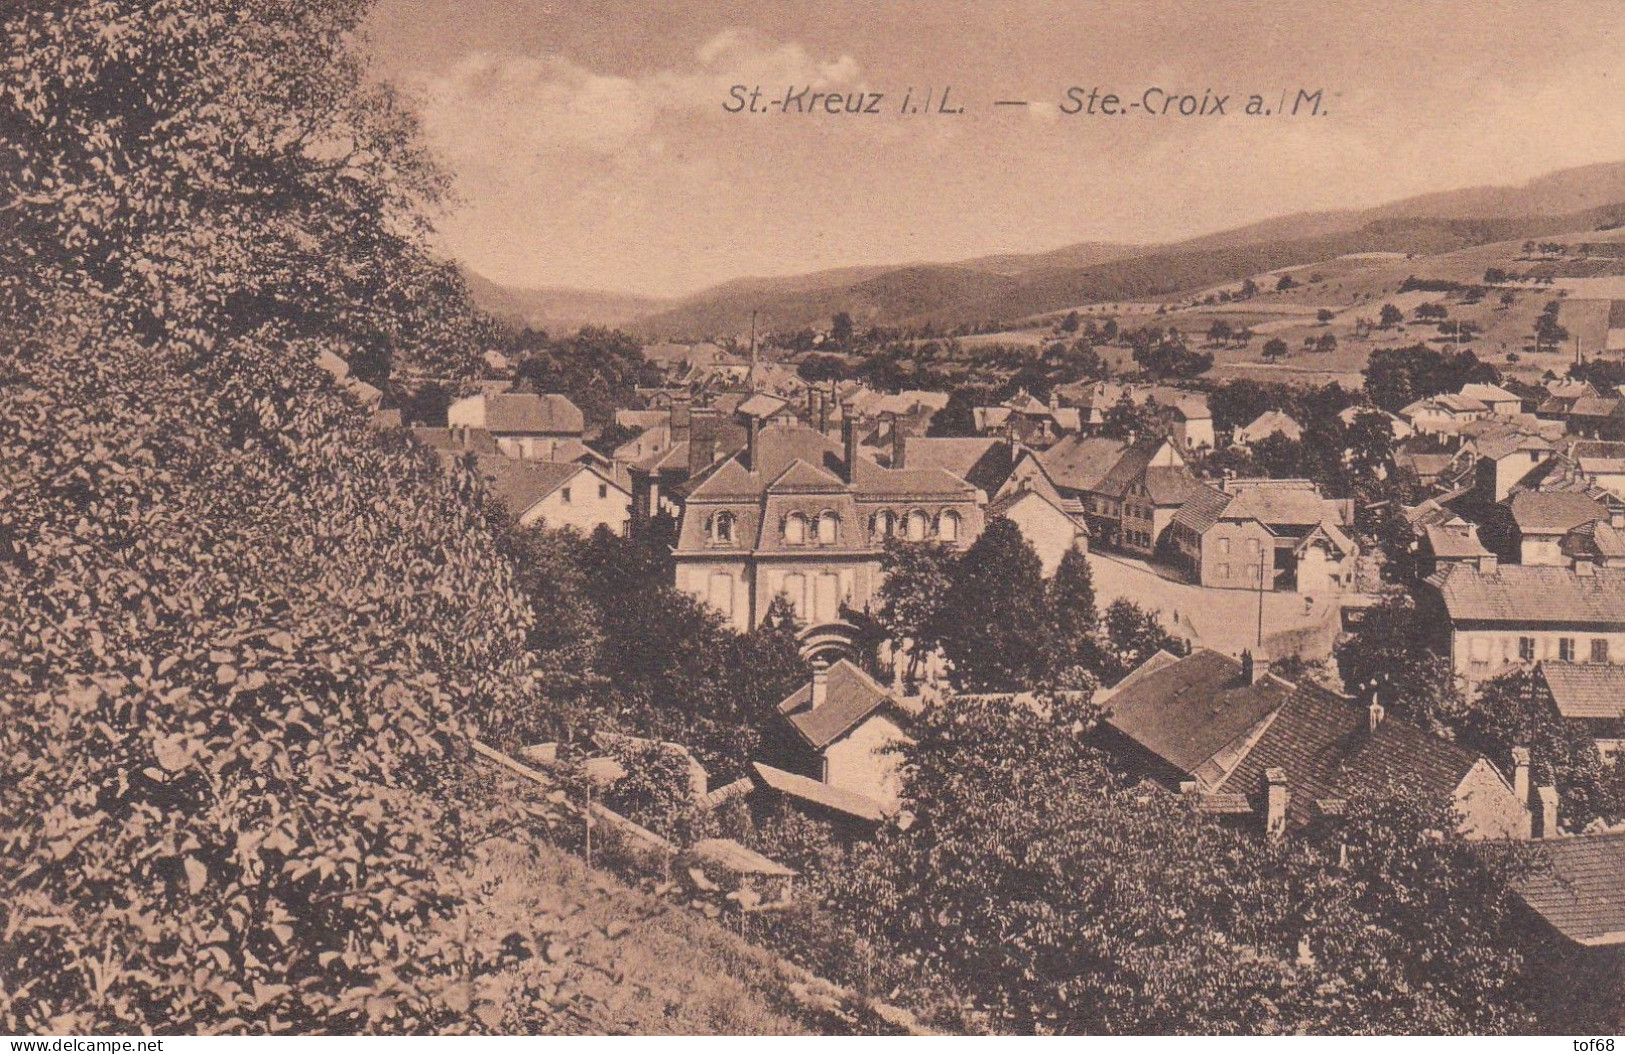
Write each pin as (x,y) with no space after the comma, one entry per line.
(795,512)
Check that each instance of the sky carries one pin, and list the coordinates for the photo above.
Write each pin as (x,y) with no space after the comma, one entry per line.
(592,148)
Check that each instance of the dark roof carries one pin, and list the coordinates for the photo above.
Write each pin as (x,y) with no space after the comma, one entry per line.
(850,696)
(1579,890)
(1596,539)
(1585,690)
(1528,594)
(1185,712)
(1325,746)
(1597,455)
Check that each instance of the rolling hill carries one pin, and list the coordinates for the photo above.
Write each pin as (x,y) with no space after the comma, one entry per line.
(1007,287)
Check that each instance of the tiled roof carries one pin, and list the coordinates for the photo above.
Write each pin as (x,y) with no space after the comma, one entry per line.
(1599,539)
(1171,485)
(1526,593)
(1600,456)
(1326,747)
(1585,689)
(642,418)
(1593,406)
(1578,890)
(981,461)
(521,484)
(1455,543)
(1460,403)
(1202,509)
(762,405)
(1553,512)
(1185,712)
(850,696)
(823,795)
(522,412)
(1294,503)
(1131,466)
(459,441)
(1488,393)
(1270,422)
(1081,462)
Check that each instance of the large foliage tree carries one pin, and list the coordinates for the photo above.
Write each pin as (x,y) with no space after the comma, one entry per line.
(992,623)
(245,640)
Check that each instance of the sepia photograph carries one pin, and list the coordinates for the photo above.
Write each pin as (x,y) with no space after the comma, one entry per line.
(633,518)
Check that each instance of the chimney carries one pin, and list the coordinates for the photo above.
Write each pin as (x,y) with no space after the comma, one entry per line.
(1585,569)
(1545,818)
(822,421)
(820,685)
(702,443)
(1520,774)
(680,418)
(1489,564)
(753,428)
(1247,667)
(1377,713)
(1275,799)
(897,443)
(1054,399)
(849,439)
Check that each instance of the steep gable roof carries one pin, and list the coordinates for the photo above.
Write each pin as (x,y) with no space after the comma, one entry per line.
(1186,712)
(1328,751)
(1080,462)
(981,461)
(850,697)
(525,412)
(1202,509)
(522,484)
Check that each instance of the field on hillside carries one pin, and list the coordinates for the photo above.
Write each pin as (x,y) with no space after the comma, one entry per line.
(1354,288)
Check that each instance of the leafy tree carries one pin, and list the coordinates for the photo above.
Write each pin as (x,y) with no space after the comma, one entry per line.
(916,577)
(1285,283)
(1274,348)
(1069,324)
(817,368)
(1390,316)
(1132,635)
(598,369)
(1324,316)
(1397,377)
(840,329)
(992,622)
(1392,656)
(1548,331)
(958,418)
(1127,417)
(1074,621)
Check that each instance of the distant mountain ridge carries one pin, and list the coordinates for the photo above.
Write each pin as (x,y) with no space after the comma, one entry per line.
(1011,286)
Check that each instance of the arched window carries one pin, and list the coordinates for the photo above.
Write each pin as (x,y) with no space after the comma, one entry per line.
(948,526)
(916,525)
(722,528)
(827,523)
(795,529)
(882,524)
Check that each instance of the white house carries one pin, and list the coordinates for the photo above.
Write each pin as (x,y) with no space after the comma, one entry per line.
(559,494)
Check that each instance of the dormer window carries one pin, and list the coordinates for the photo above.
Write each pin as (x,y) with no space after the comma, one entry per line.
(948,527)
(827,525)
(795,529)
(722,529)
(883,524)
(916,526)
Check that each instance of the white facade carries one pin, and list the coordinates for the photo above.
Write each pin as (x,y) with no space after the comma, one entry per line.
(585,501)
